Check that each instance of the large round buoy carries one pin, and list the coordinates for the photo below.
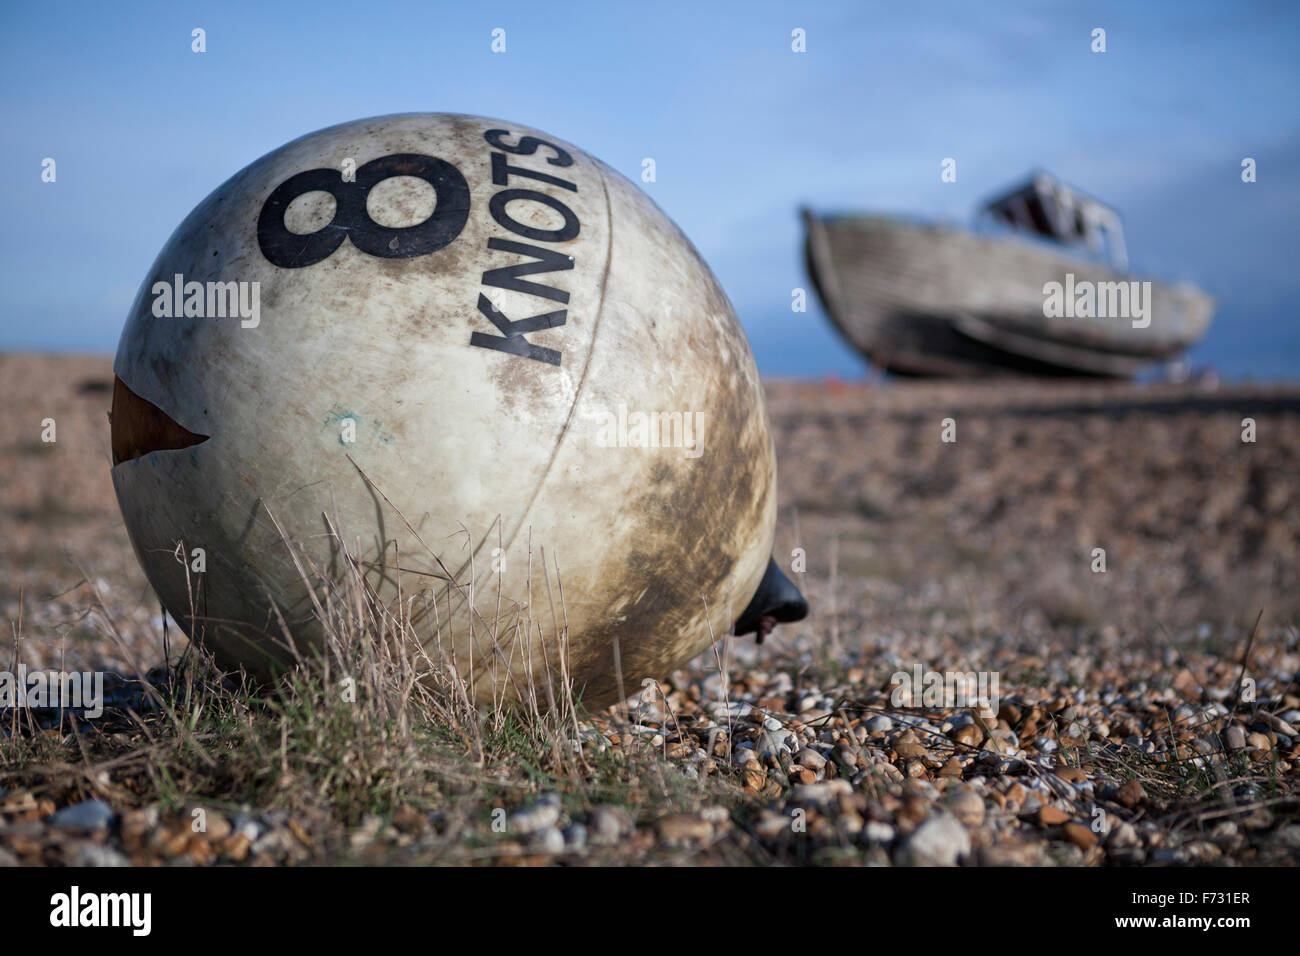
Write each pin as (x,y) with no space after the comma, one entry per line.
(473,361)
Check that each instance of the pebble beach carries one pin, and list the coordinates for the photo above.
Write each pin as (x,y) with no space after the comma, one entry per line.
(1113,563)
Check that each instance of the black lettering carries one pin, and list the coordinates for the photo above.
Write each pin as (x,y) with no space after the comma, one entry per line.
(527,146)
(513,331)
(351,220)
(439,230)
(501,171)
(507,277)
(497,206)
(289,250)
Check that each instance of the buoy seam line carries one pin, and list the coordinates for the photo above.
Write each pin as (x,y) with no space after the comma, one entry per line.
(577,396)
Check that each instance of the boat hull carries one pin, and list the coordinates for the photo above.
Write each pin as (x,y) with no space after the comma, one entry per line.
(926,299)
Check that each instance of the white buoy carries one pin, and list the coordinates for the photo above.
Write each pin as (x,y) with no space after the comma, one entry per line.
(440,341)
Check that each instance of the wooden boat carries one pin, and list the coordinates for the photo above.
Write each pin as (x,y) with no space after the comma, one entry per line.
(921,298)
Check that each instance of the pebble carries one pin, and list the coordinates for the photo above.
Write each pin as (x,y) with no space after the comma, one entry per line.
(1079,835)
(96,854)
(246,827)
(811,759)
(940,841)
(681,828)
(549,840)
(542,813)
(818,794)
(1051,816)
(1131,794)
(879,724)
(608,825)
(1122,835)
(877,832)
(90,815)
(967,806)
(1278,724)
(775,743)
(734,709)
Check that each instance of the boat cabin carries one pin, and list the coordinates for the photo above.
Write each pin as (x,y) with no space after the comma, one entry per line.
(1047,207)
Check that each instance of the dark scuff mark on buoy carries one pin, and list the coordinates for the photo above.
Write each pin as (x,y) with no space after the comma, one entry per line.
(139,427)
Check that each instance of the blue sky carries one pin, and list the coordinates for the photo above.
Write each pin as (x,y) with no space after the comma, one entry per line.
(743,131)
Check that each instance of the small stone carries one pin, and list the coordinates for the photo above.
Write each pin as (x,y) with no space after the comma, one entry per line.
(776,742)
(968,735)
(1235,737)
(537,816)
(95,854)
(771,825)
(1079,835)
(1072,774)
(175,842)
(735,709)
(1122,836)
(939,841)
(608,825)
(879,724)
(877,832)
(811,759)
(1131,794)
(549,840)
(89,815)
(406,818)
(575,836)
(235,847)
(17,801)
(819,794)
(1051,817)
(1279,725)
(681,828)
(967,806)
(995,745)
(252,830)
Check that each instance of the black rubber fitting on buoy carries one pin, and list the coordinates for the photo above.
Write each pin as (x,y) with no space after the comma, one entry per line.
(776,597)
